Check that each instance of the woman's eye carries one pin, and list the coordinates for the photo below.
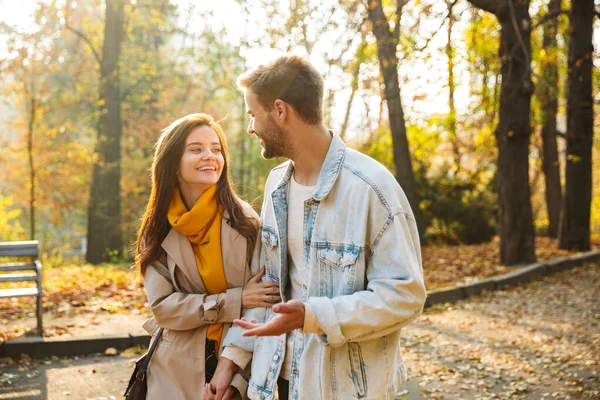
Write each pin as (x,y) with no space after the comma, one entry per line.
(217,150)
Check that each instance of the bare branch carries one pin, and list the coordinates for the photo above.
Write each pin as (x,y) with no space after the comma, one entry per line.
(399,6)
(434,34)
(548,17)
(86,40)
(515,25)
(490,6)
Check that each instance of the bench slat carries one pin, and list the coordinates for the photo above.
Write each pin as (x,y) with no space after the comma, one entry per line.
(18,278)
(23,292)
(19,249)
(17,267)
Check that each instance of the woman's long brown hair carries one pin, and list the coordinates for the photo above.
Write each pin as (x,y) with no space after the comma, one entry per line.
(168,152)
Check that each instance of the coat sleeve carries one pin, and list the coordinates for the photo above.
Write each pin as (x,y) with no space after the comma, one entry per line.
(181,311)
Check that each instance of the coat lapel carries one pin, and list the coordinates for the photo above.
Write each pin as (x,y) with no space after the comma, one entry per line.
(233,250)
(178,247)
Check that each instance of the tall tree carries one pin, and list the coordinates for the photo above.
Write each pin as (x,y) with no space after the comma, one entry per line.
(513,131)
(104,217)
(575,230)
(354,69)
(548,95)
(29,82)
(452,86)
(387,43)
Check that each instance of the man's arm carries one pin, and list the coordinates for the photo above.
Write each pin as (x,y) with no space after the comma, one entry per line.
(395,293)
(238,349)
(394,296)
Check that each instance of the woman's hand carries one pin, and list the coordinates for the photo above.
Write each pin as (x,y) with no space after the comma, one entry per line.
(260,294)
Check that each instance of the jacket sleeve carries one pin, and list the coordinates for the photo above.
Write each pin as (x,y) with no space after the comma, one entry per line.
(181,311)
(395,291)
(238,348)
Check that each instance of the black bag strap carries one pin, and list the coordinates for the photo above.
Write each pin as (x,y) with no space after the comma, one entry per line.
(144,364)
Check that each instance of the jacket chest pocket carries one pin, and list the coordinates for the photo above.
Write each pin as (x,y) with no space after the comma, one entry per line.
(337,269)
(270,253)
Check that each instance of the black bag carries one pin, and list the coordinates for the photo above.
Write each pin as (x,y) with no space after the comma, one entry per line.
(138,385)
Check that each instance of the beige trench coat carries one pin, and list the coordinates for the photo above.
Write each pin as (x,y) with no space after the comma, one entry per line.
(179,303)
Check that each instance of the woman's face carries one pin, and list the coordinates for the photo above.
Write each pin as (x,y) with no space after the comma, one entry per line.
(202,162)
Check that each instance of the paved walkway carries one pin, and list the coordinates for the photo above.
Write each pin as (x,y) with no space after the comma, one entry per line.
(540,341)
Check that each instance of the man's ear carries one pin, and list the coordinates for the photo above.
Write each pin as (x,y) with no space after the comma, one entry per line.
(281,110)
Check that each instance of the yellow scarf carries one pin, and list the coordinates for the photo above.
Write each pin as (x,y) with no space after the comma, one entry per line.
(202,226)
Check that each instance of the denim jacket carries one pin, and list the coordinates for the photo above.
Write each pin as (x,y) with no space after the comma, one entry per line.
(364,281)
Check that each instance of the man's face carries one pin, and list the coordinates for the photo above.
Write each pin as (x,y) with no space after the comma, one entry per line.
(274,140)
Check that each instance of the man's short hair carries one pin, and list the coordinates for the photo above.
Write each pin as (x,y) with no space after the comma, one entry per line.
(292,79)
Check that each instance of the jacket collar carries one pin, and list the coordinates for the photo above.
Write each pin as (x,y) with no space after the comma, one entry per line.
(233,250)
(330,169)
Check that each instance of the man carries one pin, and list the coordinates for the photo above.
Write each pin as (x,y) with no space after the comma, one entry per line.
(338,233)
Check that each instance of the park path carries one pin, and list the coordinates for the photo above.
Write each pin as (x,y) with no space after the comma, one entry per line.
(538,341)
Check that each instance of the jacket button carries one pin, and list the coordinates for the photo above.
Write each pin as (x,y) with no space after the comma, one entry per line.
(275,358)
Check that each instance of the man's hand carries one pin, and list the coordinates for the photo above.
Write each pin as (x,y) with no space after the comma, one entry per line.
(221,380)
(230,394)
(291,316)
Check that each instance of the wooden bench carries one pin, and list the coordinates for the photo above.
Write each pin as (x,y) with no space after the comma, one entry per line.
(22,272)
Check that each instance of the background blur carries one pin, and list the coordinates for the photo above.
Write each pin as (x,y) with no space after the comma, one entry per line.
(87,85)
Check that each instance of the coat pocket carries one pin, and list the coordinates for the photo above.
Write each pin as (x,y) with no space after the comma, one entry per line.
(363,370)
(337,270)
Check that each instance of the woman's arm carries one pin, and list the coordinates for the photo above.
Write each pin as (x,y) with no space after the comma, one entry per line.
(181,311)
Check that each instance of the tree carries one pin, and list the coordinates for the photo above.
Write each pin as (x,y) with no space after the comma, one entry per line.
(104,215)
(452,86)
(548,95)
(387,43)
(575,230)
(513,131)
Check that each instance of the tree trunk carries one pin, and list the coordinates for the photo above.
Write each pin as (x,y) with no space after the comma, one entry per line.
(355,71)
(104,218)
(242,168)
(517,242)
(575,230)
(452,88)
(353,88)
(549,108)
(31,125)
(388,64)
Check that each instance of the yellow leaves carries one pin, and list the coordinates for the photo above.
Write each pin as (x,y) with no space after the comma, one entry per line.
(573,158)
(510,133)
(10,228)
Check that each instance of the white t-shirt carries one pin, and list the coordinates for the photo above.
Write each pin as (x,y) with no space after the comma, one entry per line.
(298,194)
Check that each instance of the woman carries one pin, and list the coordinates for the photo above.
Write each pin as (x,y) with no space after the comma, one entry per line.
(193,252)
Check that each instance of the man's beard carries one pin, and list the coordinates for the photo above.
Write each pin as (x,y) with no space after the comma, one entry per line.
(275,140)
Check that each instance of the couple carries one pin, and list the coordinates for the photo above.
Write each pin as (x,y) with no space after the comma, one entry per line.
(317,289)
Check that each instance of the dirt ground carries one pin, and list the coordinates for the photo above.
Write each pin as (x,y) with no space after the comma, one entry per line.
(538,341)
